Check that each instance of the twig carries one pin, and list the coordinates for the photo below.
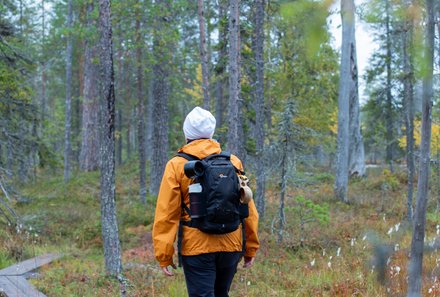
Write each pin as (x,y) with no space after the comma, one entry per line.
(4,191)
(7,217)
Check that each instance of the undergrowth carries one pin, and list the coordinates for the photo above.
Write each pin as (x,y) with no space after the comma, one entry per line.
(360,249)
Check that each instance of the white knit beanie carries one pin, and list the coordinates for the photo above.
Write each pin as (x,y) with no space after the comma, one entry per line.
(199,123)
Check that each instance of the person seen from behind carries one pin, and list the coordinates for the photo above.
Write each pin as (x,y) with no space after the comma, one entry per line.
(209,260)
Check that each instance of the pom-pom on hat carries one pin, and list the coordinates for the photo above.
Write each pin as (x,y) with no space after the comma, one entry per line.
(199,123)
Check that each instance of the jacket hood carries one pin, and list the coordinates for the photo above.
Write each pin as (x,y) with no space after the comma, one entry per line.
(201,148)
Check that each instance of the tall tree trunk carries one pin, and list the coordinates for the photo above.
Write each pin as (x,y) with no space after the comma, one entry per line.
(356,165)
(150,123)
(88,159)
(235,131)
(80,95)
(141,114)
(68,116)
(269,100)
(112,249)
(408,90)
(345,86)
(286,129)
(208,15)
(119,93)
(161,91)
(389,97)
(221,66)
(281,215)
(416,261)
(43,64)
(119,142)
(438,149)
(259,104)
(204,56)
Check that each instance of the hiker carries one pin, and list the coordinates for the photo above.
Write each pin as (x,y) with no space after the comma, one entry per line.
(209,260)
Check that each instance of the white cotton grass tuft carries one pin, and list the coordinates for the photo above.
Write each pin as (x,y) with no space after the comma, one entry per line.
(390,231)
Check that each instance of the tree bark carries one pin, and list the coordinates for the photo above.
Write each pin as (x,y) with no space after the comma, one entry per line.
(235,131)
(141,115)
(345,84)
(259,104)
(150,124)
(112,249)
(389,97)
(43,64)
(204,56)
(221,66)
(408,101)
(119,93)
(119,142)
(68,116)
(416,261)
(357,152)
(161,91)
(88,159)
(281,215)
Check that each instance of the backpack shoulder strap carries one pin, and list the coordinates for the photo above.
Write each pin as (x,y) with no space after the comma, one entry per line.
(187,156)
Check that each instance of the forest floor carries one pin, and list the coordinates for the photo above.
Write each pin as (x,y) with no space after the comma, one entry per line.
(356,249)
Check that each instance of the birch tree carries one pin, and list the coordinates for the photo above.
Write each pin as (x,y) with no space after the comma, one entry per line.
(415,271)
(112,249)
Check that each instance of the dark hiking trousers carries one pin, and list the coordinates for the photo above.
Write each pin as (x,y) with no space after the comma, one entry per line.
(211,274)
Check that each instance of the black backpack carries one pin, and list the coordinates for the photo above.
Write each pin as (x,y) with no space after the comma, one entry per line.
(217,208)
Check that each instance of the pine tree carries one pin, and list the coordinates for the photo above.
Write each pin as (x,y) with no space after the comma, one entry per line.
(112,249)
(415,271)
(345,85)
(235,121)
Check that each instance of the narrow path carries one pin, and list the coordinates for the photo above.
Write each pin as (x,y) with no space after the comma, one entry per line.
(13,281)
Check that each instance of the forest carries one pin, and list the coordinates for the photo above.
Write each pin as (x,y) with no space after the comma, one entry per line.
(343,161)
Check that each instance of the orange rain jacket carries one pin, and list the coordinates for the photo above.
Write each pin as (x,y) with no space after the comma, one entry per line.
(169,210)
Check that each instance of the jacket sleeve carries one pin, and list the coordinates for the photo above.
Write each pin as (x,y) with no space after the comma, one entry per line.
(251,225)
(167,216)
(251,222)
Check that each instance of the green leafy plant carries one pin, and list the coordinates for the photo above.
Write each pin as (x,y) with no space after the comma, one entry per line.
(307,212)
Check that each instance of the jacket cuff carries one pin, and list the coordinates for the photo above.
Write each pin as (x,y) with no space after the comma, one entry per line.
(166,263)
(250,252)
